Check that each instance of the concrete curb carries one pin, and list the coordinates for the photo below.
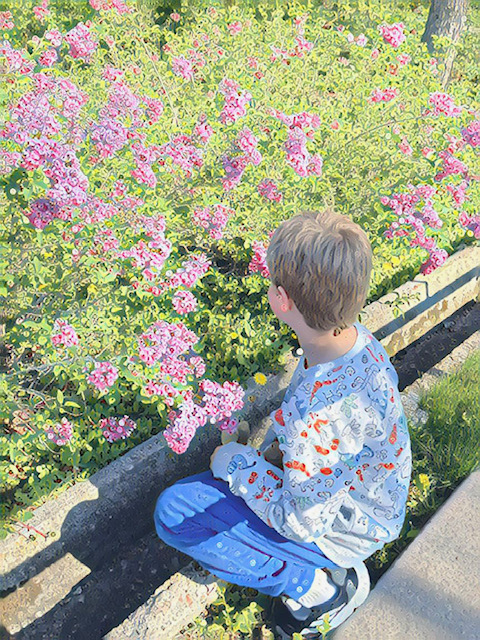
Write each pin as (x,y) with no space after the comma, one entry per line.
(83,517)
(431,590)
(138,624)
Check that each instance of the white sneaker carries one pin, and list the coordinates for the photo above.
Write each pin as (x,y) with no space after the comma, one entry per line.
(353,594)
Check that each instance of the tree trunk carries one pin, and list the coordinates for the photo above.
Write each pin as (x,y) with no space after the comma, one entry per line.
(445,18)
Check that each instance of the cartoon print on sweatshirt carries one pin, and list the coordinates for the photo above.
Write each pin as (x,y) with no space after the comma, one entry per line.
(346,457)
(239,462)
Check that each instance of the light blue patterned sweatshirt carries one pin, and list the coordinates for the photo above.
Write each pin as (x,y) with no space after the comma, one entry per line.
(346,456)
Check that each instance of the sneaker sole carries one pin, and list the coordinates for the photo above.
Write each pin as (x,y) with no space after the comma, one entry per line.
(339,615)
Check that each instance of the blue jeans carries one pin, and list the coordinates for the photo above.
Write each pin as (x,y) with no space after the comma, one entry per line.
(202,518)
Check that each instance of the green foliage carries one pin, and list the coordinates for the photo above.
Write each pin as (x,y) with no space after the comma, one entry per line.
(39,281)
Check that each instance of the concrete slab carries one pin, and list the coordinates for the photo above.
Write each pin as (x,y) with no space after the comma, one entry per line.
(40,594)
(173,606)
(432,590)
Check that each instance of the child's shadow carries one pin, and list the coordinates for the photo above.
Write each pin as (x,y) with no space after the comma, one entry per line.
(126,560)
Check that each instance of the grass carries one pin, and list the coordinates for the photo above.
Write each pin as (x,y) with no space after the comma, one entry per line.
(445,451)
(448,442)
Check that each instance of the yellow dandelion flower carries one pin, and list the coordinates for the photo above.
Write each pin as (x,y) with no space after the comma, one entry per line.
(260,378)
(424,479)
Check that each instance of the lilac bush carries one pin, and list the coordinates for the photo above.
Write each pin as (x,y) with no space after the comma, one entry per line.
(127,169)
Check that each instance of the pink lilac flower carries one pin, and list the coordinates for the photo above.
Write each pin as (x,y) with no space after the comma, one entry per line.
(258,262)
(472,223)
(48,58)
(455,144)
(61,432)
(360,40)
(109,137)
(82,45)
(198,365)
(9,160)
(404,147)
(247,142)
(117,428)
(64,334)
(54,36)
(234,168)
(105,241)
(298,157)
(181,433)
(214,223)
(192,269)
(393,33)
(168,393)
(302,46)
(107,5)
(404,59)
(235,27)
(383,95)
(145,174)
(407,207)
(42,212)
(16,60)
(175,16)
(219,402)
(444,104)
(235,101)
(471,133)
(302,120)
(269,190)
(202,129)
(41,11)
(122,103)
(154,109)
(183,153)
(183,67)
(6,20)
(112,74)
(103,376)
(458,192)
(164,339)
(184,302)
(436,259)
(451,166)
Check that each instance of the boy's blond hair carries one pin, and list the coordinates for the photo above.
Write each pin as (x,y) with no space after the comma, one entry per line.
(323,260)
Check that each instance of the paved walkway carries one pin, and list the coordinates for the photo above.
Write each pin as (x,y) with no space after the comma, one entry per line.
(432,591)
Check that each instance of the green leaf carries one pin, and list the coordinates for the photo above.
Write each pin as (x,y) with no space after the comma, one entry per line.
(59,396)
(87,456)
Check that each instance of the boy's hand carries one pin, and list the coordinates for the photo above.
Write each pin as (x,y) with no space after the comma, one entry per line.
(221,457)
(214,452)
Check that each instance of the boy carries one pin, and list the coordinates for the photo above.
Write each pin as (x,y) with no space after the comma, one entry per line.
(331,478)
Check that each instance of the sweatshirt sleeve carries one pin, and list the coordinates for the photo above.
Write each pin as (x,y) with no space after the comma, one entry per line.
(249,476)
(322,458)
